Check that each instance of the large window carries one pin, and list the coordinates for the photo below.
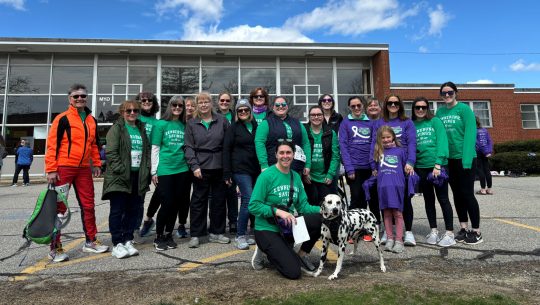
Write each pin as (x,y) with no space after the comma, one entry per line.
(257,72)
(530,116)
(353,79)
(220,74)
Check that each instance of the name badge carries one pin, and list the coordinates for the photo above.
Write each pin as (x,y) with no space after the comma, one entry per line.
(136,156)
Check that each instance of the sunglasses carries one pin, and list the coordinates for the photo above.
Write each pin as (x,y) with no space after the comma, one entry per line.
(284,141)
(128,111)
(224,100)
(316,115)
(177,105)
(258,96)
(449,93)
(243,110)
(76,96)
(420,107)
(393,104)
(356,106)
(326,100)
(280,104)
(145,100)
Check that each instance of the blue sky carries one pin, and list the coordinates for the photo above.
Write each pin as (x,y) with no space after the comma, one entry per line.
(464,41)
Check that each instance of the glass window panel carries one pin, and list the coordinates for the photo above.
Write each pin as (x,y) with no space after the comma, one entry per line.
(73,59)
(27,109)
(29,79)
(349,81)
(483,115)
(3,59)
(14,135)
(216,80)
(112,60)
(145,60)
(107,76)
(292,62)
(258,62)
(528,116)
(107,107)
(146,76)
(319,63)
(314,89)
(297,107)
(32,59)
(480,105)
(290,77)
(529,124)
(180,61)
(134,89)
(220,61)
(353,62)
(321,77)
(408,108)
(342,102)
(64,77)
(3,70)
(1,110)
(525,108)
(60,104)
(254,78)
(180,80)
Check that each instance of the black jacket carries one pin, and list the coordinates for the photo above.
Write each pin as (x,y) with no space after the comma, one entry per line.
(334,121)
(239,154)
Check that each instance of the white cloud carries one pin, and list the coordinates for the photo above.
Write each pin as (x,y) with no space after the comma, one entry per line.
(246,33)
(437,20)
(520,65)
(353,17)
(16,4)
(423,49)
(481,82)
(203,10)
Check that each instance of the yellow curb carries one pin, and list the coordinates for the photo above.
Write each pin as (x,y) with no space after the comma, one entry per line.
(517,224)
(190,266)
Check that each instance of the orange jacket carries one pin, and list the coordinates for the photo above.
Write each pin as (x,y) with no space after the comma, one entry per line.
(72,142)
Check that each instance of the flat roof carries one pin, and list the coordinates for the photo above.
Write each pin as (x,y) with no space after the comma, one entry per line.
(112,46)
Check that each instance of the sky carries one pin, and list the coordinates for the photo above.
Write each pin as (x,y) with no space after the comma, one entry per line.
(464,41)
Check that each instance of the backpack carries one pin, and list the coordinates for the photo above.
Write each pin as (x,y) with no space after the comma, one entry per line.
(45,223)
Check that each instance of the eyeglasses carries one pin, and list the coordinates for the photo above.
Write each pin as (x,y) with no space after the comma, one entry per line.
(76,96)
(284,104)
(177,105)
(356,106)
(224,100)
(326,100)
(128,111)
(284,141)
(392,104)
(316,115)
(449,93)
(243,110)
(145,100)
(420,107)
(258,96)
(203,103)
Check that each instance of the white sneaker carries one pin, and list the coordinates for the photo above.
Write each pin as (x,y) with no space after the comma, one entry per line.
(384,238)
(119,251)
(409,239)
(95,247)
(130,248)
(58,255)
(433,237)
(447,240)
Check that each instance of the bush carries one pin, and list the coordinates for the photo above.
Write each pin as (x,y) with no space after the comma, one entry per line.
(513,146)
(517,162)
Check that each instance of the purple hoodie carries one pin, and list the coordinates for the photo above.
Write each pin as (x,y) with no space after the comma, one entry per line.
(406,134)
(355,143)
(484,145)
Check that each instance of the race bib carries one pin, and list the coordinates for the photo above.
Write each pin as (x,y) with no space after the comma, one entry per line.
(62,189)
(136,156)
(299,154)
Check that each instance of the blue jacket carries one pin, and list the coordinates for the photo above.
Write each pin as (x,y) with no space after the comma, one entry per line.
(25,155)
(484,145)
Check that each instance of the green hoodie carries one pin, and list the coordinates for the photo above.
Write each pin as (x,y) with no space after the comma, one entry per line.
(431,143)
(460,125)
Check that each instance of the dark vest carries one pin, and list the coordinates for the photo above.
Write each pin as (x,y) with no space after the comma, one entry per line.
(326,140)
(276,131)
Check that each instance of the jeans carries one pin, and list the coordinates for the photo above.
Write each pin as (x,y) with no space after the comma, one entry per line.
(123,213)
(245,183)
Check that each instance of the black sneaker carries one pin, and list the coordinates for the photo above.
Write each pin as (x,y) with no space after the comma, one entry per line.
(181,232)
(232,228)
(147,227)
(170,242)
(473,238)
(160,243)
(461,235)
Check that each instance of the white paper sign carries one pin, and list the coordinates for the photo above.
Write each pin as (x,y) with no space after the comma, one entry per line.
(300,232)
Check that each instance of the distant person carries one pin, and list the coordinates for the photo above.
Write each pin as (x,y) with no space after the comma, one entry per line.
(24,157)
(72,157)
(484,151)
(260,101)
(3,152)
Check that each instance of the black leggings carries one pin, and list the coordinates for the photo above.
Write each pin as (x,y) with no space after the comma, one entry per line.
(171,190)
(358,196)
(429,190)
(183,211)
(462,184)
(484,174)
(316,191)
(280,250)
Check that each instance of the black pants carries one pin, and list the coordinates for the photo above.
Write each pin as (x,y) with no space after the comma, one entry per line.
(123,212)
(462,184)
(231,198)
(316,192)
(171,188)
(358,196)
(183,211)
(154,204)
(408,212)
(484,174)
(25,169)
(280,250)
(212,180)
(429,190)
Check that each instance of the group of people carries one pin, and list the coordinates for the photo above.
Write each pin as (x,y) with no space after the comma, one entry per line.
(201,151)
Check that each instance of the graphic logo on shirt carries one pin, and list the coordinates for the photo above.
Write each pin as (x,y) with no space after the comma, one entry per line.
(389,161)
(398,131)
(364,133)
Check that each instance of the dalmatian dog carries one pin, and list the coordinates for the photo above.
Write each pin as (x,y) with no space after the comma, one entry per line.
(339,225)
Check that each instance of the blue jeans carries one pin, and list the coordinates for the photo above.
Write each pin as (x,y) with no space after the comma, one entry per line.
(123,212)
(245,183)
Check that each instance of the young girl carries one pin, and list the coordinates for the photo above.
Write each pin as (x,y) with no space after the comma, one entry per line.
(390,160)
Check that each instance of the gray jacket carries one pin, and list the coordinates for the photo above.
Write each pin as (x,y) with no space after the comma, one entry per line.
(204,148)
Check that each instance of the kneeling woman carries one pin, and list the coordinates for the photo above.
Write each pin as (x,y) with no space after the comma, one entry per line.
(271,200)
(127,176)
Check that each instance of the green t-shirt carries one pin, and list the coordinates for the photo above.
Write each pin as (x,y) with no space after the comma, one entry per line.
(272,188)
(136,146)
(431,143)
(228,116)
(460,125)
(169,136)
(206,124)
(82,114)
(249,127)
(149,122)
(317,172)
(259,117)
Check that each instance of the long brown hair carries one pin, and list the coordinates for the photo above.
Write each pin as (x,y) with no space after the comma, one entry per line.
(379,148)
(429,114)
